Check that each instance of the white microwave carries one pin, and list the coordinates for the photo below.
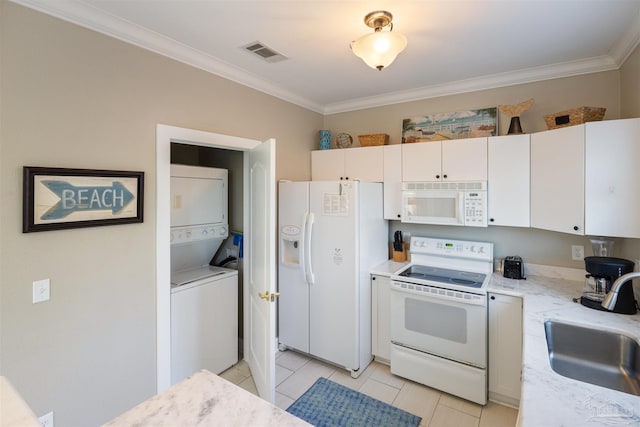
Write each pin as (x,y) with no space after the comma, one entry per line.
(445,203)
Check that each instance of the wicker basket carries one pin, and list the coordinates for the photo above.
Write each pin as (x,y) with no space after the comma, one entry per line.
(575,116)
(373,139)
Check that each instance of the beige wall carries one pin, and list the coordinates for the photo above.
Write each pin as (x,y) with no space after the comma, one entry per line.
(630,86)
(74,98)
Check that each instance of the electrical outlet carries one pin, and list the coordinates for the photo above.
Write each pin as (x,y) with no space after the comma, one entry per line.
(577,252)
(41,290)
(46,420)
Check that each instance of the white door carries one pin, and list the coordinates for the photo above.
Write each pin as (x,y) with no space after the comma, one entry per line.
(333,306)
(464,159)
(260,277)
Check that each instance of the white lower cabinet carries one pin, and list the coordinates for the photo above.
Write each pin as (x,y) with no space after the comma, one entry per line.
(381,317)
(505,348)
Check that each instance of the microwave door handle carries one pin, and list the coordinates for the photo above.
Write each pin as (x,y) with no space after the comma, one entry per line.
(308,269)
(461,216)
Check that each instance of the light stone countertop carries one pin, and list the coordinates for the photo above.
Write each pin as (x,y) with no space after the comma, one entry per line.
(549,399)
(14,412)
(208,400)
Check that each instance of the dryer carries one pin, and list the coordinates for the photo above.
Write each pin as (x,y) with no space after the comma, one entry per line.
(204,298)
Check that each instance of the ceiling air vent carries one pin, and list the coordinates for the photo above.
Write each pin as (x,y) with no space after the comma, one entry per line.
(264,52)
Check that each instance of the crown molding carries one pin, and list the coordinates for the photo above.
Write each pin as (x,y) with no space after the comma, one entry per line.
(626,44)
(87,16)
(528,75)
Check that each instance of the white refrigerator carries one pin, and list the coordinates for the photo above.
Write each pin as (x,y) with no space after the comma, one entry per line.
(331,234)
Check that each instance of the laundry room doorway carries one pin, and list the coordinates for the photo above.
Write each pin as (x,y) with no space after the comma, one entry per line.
(255,160)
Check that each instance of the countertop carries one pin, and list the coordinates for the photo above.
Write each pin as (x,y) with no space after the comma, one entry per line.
(206,399)
(547,398)
(13,409)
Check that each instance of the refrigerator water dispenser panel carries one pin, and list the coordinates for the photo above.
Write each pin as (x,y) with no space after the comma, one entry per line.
(290,244)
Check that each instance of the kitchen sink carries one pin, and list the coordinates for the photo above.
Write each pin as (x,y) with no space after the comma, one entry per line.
(605,358)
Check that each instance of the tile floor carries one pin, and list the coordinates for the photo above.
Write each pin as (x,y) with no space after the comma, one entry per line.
(295,373)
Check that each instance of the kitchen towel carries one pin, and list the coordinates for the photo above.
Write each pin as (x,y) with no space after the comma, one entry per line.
(328,404)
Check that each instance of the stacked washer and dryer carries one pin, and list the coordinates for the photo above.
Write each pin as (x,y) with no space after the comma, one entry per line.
(204,298)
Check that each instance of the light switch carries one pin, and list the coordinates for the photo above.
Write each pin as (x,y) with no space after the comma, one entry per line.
(41,291)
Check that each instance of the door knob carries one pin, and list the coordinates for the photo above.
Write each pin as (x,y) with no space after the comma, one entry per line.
(269,296)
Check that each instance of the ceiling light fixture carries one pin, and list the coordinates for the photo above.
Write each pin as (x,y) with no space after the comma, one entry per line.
(378,50)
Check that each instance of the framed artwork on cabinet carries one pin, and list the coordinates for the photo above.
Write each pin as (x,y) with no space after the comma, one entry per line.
(455,125)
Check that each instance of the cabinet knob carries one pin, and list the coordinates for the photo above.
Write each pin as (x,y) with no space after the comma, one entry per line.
(491,220)
(444,176)
(341,178)
(437,176)
(399,216)
(492,297)
(576,228)
(373,278)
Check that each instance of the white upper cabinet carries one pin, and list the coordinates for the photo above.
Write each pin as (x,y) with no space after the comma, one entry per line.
(454,160)
(393,181)
(361,163)
(612,187)
(508,186)
(557,180)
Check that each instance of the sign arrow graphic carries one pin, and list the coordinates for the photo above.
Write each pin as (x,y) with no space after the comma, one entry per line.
(91,198)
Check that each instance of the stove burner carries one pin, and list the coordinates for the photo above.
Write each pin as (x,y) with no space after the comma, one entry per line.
(444,276)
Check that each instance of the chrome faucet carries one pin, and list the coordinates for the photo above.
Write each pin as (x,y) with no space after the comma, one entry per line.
(612,297)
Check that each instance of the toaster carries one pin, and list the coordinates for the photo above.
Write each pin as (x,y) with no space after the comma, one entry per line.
(513,268)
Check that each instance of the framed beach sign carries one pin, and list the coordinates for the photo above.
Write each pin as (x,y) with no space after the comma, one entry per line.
(60,198)
(455,125)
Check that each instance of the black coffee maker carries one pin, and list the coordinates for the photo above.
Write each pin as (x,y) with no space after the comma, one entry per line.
(601,273)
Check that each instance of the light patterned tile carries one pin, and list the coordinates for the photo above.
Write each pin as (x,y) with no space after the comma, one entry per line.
(379,390)
(298,382)
(461,405)
(237,373)
(282,374)
(249,385)
(495,415)
(282,401)
(445,416)
(291,360)
(342,376)
(383,374)
(418,400)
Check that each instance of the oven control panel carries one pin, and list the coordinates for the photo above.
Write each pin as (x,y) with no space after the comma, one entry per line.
(456,248)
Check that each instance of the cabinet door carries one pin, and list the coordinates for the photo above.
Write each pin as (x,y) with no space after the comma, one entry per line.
(505,348)
(508,173)
(327,165)
(557,180)
(392,181)
(612,178)
(364,163)
(381,316)
(464,159)
(422,161)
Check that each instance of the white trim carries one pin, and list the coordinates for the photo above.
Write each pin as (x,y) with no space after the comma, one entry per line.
(165,135)
(95,19)
(528,75)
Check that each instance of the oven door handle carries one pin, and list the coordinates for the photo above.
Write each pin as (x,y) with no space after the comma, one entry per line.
(439,294)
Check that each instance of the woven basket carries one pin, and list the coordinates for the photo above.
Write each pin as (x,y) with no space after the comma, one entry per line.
(373,139)
(575,116)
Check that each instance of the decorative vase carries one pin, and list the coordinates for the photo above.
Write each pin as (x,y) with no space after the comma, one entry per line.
(514,126)
(325,139)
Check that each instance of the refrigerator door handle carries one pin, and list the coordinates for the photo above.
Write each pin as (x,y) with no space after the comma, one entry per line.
(308,230)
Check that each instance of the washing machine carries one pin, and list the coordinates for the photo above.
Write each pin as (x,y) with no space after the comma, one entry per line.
(204,298)
(204,321)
